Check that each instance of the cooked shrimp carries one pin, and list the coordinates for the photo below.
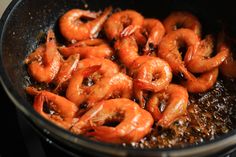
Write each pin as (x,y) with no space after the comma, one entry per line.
(127,49)
(88,48)
(155,31)
(201,60)
(203,83)
(122,23)
(64,109)
(117,86)
(94,69)
(67,68)
(168,50)
(181,19)
(153,75)
(72,28)
(134,122)
(176,107)
(45,68)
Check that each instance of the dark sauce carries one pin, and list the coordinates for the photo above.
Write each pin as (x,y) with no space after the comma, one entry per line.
(210,114)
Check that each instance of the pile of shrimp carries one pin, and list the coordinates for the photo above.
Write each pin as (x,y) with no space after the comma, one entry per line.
(120,75)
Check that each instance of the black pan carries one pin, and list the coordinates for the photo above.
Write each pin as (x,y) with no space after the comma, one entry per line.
(26,21)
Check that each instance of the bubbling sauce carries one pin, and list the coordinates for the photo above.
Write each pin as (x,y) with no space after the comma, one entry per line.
(210,114)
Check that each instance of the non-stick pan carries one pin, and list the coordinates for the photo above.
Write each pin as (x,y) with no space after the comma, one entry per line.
(25,22)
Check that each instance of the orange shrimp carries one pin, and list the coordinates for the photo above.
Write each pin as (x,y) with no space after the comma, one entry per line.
(134,122)
(92,68)
(45,68)
(117,86)
(127,49)
(180,19)
(67,68)
(168,50)
(201,62)
(64,109)
(122,23)
(89,48)
(72,28)
(153,75)
(203,83)
(175,108)
(155,32)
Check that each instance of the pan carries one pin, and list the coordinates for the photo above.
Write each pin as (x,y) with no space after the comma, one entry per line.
(25,21)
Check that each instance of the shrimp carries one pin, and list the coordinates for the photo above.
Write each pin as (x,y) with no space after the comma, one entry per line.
(153,75)
(175,108)
(201,62)
(180,19)
(89,48)
(203,83)
(155,32)
(168,50)
(127,49)
(65,110)
(94,69)
(66,70)
(122,23)
(72,28)
(134,122)
(45,68)
(117,86)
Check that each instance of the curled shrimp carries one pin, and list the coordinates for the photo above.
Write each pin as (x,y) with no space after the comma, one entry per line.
(168,50)
(88,48)
(180,19)
(92,69)
(45,62)
(203,83)
(134,122)
(153,75)
(154,31)
(122,23)
(201,62)
(67,68)
(65,110)
(176,106)
(72,28)
(117,86)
